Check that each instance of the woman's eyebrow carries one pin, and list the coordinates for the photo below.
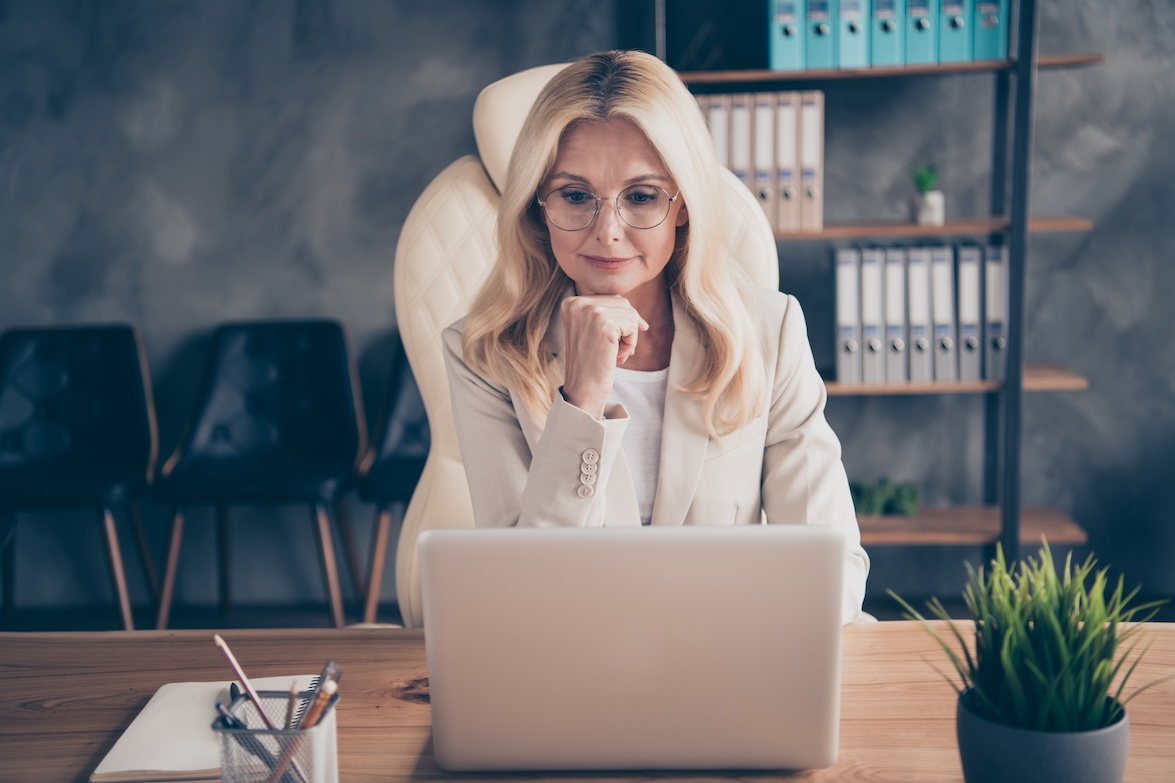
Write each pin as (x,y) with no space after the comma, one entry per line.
(633,180)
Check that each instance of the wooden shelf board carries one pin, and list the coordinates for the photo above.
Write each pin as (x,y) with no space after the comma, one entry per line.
(752,76)
(1045,224)
(1037,378)
(969,526)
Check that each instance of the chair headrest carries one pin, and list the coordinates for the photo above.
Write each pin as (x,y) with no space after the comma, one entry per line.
(499,112)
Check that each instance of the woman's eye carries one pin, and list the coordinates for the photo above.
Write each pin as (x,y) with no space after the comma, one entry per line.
(642,197)
(576,196)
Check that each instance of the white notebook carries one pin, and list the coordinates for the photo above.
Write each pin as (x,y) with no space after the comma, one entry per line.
(172,739)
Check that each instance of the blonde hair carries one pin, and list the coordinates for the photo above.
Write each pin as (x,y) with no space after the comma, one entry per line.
(504,337)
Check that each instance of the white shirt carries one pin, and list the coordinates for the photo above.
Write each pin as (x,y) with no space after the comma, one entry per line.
(643,395)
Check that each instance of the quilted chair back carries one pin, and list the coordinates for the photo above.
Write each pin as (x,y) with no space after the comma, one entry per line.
(445,252)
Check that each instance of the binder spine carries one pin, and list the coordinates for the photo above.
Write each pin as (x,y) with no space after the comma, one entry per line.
(942,281)
(853,28)
(918,308)
(887,33)
(954,31)
(921,32)
(989,30)
(970,339)
(872,315)
(819,34)
(848,317)
(786,37)
(897,338)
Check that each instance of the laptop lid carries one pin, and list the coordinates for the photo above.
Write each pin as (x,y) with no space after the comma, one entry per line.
(633,648)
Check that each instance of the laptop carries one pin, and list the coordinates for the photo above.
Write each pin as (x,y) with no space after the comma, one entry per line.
(633,648)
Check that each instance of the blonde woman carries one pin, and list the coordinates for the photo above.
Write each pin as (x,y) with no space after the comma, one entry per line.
(614,370)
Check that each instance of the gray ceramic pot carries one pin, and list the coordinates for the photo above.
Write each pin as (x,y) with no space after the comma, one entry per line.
(995,753)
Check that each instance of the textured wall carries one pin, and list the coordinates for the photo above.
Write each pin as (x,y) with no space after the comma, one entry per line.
(180,163)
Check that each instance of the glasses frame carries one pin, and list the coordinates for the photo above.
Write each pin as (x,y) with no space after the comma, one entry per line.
(616,202)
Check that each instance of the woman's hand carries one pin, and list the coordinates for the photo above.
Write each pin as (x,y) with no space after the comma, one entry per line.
(601,332)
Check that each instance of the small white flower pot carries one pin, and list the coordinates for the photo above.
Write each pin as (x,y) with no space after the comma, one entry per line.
(930,208)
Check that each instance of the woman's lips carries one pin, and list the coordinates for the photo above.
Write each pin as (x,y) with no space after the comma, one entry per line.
(603,262)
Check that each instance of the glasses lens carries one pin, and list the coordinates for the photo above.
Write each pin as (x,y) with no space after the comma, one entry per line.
(643,206)
(570,208)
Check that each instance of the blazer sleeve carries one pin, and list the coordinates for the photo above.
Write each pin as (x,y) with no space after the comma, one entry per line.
(804,480)
(561,482)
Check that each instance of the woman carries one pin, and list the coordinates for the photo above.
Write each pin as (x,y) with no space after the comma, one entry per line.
(613,369)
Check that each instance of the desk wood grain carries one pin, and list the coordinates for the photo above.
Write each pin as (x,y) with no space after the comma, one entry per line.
(65,698)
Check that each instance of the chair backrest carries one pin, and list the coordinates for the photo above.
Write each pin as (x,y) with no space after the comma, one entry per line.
(77,422)
(274,394)
(445,251)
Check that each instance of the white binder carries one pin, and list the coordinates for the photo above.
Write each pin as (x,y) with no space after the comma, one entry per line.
(942,310)
(872,315)
(970,338)
(848,317)
(896,334)
(740,137)
(719,117)
(763,154)
(787,154)
(812,160)
(996,309)
(918,312)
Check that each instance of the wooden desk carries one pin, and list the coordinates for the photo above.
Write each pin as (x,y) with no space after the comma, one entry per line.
(67,696)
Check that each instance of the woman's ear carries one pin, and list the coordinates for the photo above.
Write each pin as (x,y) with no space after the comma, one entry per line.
(682,215)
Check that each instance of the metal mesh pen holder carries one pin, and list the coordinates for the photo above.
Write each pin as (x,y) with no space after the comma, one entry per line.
(254,754)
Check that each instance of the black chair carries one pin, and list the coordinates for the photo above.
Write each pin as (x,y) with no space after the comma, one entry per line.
(392,466)
(77,431)
(277,420)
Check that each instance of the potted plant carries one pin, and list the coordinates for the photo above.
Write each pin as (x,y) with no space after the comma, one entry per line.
(930,206)
(1043,686)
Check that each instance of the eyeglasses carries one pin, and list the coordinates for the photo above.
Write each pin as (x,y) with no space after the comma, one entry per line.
(573,208)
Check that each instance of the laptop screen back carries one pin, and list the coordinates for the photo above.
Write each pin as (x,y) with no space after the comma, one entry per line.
(649,648)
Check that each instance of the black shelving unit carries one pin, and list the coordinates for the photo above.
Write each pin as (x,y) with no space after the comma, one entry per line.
(1008,223)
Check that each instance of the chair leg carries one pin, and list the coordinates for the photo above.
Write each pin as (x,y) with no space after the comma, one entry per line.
(330,569)
(8,567)
(173,558)
(136,516)
(349,546)
(114,554)
(379,549)
(224,557)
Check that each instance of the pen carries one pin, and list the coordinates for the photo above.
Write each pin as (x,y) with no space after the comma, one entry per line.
(248,686)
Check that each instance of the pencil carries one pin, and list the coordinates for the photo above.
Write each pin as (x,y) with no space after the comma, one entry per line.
(248,686)
(290,704)
(309,718)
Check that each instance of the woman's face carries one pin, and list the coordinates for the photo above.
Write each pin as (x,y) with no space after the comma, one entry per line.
(610,256)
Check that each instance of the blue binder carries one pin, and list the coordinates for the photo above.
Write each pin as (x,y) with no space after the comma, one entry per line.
(786,37)
(954,31)
(887,33)
(921,32)
(989,30)
(852,30)
(819,37)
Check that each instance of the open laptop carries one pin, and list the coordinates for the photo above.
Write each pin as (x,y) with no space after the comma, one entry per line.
(633,648)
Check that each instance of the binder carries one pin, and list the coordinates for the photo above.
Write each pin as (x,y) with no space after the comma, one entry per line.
(740,137)
(785,45)
(989,30)
(787,161)
(942,311)
(921,32)
(954,31)
(811,160)
(819,38)
(852,29)
(996,312)
(872,315)
(970,338)
(719,117)
(918,313)
(896,334)
(763,154)
(848,321)
(887,33)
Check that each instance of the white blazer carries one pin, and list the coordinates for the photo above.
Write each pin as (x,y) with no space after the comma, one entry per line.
(784,467)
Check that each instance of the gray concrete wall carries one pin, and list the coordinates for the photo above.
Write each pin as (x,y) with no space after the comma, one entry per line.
(176,164)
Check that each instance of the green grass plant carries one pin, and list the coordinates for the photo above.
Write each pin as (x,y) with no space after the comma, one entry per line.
(925,177)
(1052,652)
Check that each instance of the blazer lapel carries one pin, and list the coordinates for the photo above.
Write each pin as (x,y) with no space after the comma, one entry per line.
(683,437)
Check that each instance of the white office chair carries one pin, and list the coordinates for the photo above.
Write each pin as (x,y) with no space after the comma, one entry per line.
(444,253)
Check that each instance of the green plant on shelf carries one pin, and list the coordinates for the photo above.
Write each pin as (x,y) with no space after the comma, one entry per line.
(925,177)
(1048,647)
(884,498)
